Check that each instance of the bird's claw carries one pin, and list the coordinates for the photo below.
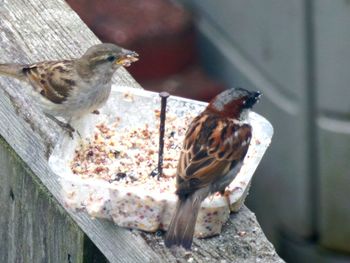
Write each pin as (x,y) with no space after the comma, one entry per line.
(65,126)
(68,129)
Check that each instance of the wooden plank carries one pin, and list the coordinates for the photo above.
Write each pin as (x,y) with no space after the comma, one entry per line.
(33,227)
(32,30)
(49,30)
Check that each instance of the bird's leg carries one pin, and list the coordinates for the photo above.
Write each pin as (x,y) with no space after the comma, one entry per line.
(76,130)
(65,126)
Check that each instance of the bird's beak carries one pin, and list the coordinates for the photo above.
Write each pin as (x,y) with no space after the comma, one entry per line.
(256,96)
(127,57)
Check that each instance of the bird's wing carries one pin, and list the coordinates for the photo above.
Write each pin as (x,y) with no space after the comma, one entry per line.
(53,80)
(212,146)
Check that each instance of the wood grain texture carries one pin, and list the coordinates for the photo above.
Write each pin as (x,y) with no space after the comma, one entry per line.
(33,227)
(34,30)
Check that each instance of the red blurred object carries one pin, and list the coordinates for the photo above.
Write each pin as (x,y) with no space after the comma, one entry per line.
(193,83)
(160,31)
(162,58)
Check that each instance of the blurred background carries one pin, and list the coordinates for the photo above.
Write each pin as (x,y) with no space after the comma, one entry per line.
(297,53)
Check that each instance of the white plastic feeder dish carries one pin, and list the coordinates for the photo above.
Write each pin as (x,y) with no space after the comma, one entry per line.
(134,207)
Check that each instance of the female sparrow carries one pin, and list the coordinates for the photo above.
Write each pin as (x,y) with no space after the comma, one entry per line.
(72,88)
(215,145)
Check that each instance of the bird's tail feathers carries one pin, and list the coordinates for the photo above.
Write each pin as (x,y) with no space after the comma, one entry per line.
(12,70)
(182,225)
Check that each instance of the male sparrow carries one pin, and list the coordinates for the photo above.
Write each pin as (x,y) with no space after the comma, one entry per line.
(72,88)
(215,145)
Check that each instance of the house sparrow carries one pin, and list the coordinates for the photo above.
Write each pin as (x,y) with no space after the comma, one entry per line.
(72,88)
(215,145)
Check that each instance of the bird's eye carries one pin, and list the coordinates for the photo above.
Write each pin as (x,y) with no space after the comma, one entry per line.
(111,58)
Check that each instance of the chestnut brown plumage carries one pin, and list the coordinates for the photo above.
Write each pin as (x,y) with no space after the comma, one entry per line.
(215,145)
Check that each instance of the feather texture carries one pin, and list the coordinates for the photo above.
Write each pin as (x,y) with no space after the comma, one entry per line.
(72,88)
(52,80)
(215,145)
(182,225)
(211,145)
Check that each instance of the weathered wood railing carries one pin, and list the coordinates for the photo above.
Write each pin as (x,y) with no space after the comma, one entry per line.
(34,226)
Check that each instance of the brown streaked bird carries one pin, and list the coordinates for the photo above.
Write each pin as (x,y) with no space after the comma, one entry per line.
(215,145)
(72,88)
